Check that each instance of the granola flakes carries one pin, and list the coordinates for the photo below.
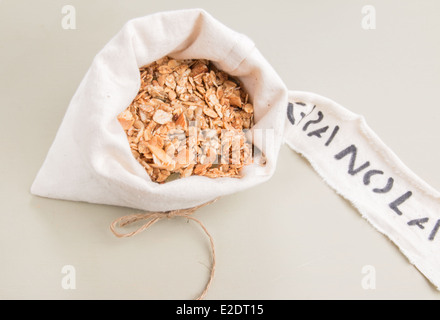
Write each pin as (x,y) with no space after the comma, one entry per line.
(189,118)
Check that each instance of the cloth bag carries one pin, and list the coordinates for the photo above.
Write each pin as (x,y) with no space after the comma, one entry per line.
(90,159)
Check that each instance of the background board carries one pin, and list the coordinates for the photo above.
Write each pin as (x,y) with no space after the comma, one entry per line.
(290,238)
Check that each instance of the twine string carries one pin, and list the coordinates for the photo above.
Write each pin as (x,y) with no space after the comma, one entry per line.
(153,217)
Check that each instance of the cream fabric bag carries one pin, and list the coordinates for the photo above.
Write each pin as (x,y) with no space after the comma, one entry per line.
(90,159)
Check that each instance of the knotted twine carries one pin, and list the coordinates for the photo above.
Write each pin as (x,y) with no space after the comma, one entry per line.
(153,217)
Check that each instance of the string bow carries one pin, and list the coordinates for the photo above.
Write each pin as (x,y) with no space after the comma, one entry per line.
(153,217)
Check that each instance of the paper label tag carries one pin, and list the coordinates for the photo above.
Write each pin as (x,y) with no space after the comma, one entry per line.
(359,166)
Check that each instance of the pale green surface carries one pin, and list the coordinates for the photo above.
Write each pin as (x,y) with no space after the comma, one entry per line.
(290,238)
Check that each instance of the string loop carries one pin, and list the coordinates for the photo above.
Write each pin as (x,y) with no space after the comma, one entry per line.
(153,217)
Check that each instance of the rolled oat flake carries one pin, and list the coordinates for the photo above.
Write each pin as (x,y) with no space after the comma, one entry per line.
(178,110)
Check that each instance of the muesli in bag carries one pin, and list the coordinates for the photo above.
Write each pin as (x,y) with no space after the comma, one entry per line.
(90,151)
